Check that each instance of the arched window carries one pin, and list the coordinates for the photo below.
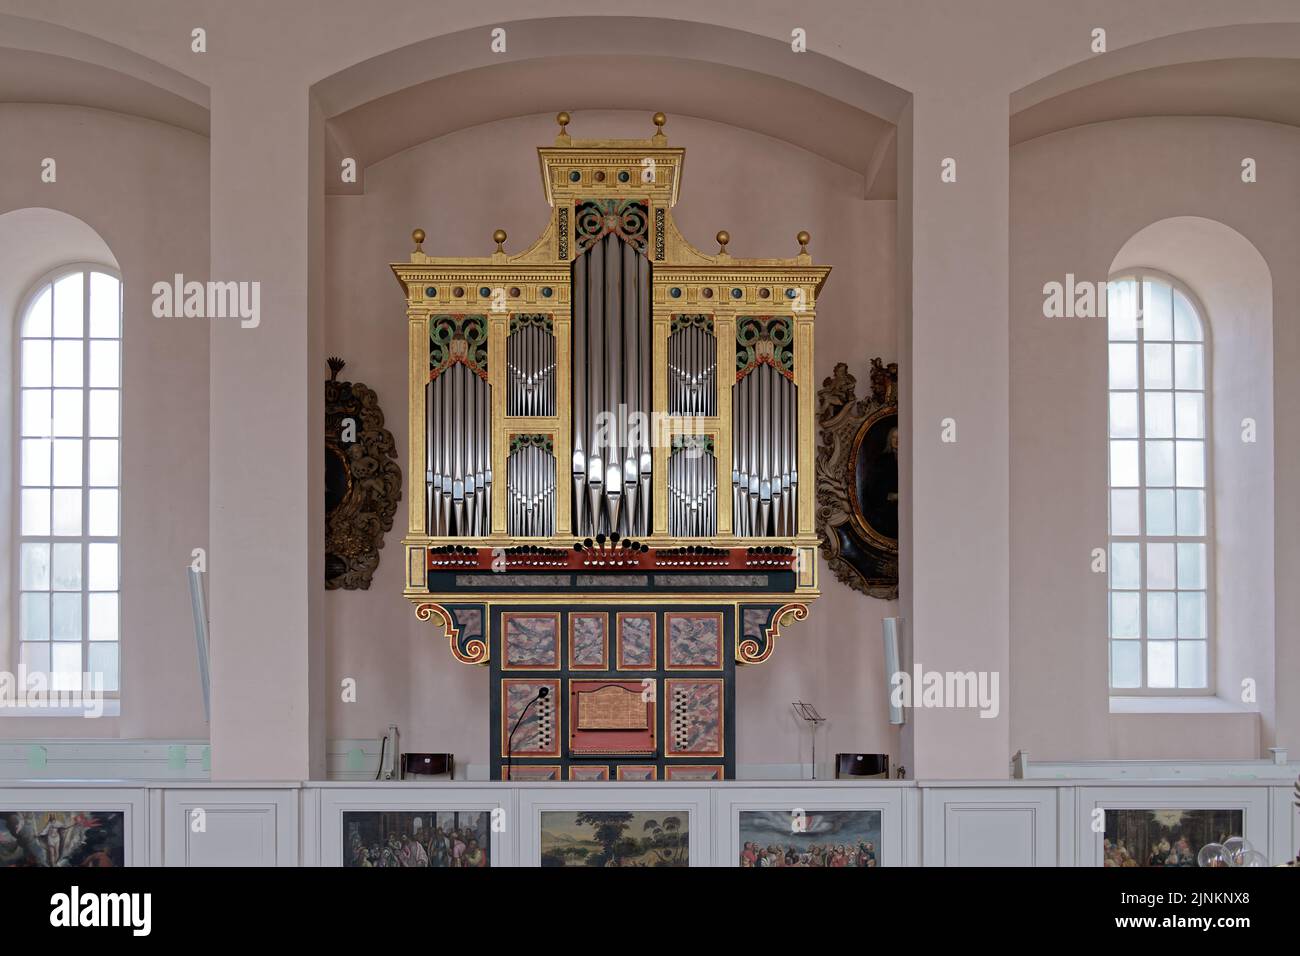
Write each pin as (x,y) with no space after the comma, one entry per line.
(1160,521)
(68,461)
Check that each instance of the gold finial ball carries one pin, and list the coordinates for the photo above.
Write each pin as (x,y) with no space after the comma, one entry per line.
(803,238)
(659,119)
(499,236)
(562,119)
(418,236)
(723,237)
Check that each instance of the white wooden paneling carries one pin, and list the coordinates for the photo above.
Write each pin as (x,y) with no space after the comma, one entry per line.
(990,826)
(235,827)
(1284,825)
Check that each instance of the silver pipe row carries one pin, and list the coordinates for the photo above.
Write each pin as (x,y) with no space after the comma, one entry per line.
(692,360)
(530,477)
(764,476)
(459,454)
(611,383)
(692,494)
(530,362)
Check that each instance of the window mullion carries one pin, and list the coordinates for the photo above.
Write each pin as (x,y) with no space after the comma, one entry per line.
(1142,480)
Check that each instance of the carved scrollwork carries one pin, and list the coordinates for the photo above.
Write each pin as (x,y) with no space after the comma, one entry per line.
(857,479)
(363,482)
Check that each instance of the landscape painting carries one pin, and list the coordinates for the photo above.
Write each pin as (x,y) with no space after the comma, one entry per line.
(615,838)
(34,838)
(433,838)
(797,838)
(1139,837)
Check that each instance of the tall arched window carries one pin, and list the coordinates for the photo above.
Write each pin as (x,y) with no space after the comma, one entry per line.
(1160,520)
(69,478)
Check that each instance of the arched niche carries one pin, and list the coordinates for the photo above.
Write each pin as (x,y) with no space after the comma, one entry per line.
(398,99)
(36,241)
(1234,284)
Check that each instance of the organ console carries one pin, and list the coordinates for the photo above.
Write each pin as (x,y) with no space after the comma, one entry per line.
(611,445)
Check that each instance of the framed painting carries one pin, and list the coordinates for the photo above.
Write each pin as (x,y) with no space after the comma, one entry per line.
(1166,826)
(841,826)
(437,839)
(73,827)
(628,826)
(857,479)
(62,838)
(415,827)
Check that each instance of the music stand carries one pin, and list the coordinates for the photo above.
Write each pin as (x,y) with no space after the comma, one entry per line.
(809,713)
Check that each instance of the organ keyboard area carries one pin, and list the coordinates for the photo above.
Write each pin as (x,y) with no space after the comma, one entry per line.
(611,398)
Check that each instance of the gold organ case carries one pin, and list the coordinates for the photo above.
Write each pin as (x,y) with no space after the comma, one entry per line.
(554,390)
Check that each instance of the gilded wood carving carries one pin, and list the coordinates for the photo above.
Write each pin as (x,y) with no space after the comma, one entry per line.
(857,479)
(363,482)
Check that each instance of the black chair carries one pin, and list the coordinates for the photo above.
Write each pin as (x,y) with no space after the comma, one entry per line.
(861,765)
(428,765)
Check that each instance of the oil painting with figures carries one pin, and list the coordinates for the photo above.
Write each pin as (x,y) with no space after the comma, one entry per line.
(636,838)
(829,838)
(61,838)
(435,838)
(1165,837)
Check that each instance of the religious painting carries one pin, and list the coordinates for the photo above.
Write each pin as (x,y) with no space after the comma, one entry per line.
(533,720)
(66,838)
(431,838)
(589,641)
(857,479)
(693,641)
(809,838)
(636,641)
(695,716)
(1140,837)
(634,838)
(532,641)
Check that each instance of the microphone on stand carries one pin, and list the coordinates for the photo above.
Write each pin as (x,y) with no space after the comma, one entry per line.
(510,743)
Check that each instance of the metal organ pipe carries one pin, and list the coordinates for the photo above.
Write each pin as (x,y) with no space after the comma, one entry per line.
(764,468)
(459,442)
(612,463)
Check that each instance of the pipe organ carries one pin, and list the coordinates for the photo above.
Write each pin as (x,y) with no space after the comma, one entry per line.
(611,439)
